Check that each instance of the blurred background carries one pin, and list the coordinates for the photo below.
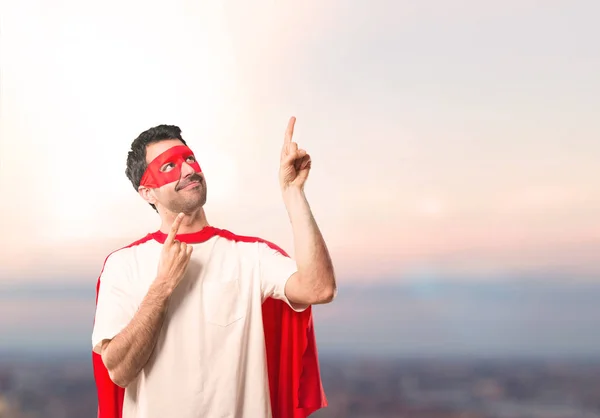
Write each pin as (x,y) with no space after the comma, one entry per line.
(455,149)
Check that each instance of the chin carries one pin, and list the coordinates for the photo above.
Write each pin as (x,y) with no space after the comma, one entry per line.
(187,201)
(189,205)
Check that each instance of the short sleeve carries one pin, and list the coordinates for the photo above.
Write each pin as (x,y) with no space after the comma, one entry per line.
(115,307)
(275,270)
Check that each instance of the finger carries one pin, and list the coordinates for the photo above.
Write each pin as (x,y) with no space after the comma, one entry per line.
(306,161)
(294,156)
(292,151)
(290,159)
(189,251)
(289,132)
(174,228)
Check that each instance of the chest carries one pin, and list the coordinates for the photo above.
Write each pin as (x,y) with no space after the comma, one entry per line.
(218,287)
(210,261)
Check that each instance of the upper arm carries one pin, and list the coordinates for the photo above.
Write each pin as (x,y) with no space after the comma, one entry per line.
(297,292)
(277,271)
(115,306)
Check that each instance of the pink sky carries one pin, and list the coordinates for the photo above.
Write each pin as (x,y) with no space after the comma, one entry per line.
(441,140)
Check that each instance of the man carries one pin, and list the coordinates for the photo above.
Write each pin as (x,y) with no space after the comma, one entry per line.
(193,321)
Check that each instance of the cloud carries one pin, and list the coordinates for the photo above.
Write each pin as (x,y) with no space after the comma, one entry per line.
(438,138)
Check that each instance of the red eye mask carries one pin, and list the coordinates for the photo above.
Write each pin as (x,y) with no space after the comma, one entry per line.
(153,177)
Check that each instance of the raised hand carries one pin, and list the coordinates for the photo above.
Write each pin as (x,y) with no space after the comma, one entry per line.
(295,163)
(175,256)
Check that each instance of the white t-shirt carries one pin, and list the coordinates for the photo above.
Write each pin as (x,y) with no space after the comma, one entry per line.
(209,360)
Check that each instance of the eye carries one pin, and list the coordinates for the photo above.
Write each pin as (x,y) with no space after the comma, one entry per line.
(167,167)
(191,158)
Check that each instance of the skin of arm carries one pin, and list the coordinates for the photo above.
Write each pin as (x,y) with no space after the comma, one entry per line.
(126,354)
(314,282)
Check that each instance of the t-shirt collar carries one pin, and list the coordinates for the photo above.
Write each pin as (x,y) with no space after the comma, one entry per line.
(203,235)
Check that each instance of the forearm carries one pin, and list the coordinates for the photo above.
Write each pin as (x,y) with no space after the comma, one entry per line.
(312,257)
(127,353)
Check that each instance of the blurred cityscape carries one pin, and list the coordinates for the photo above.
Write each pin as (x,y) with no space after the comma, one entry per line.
(61,387)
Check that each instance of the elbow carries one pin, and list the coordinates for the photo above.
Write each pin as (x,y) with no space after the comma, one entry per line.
(115,372)
(314,290)
(327,294)
(118,378)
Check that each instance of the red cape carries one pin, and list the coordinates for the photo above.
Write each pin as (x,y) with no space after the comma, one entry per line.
(292,362)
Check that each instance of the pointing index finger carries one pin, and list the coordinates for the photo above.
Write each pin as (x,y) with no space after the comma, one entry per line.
(289,132)
(174,228)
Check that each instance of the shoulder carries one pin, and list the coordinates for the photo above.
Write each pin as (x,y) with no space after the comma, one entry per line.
(249,240)
(123,255)
(117,263)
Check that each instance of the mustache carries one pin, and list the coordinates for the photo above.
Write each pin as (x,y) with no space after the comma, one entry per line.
(188,180)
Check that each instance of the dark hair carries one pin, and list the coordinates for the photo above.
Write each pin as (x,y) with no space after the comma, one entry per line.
(136,158)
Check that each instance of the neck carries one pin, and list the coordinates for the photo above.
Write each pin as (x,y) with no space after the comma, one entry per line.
(192,222)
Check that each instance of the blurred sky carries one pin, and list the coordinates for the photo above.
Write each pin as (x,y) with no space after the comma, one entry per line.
(511,318)
(459,139)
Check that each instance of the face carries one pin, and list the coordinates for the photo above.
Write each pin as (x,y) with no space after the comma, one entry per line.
(173,179)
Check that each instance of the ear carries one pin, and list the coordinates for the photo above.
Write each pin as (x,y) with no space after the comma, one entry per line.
(147,194)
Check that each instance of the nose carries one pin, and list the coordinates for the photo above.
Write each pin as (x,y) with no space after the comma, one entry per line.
(186,170)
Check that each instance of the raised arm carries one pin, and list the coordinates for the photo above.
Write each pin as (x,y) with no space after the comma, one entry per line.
(126,354)
(314,282)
